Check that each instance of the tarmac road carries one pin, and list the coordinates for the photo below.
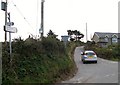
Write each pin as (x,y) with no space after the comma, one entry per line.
(104,71)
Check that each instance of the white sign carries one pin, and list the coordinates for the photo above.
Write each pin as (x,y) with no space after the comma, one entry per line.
(65,38)
(11,29)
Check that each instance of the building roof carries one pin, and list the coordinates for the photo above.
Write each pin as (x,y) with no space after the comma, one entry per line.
(104,34)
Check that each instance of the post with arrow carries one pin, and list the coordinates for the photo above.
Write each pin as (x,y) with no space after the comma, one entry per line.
(9,28)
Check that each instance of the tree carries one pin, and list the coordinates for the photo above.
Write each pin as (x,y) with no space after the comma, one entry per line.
(78,35)
(70,32)
(51,34)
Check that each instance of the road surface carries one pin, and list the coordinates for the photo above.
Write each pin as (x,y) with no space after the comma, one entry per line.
(103,72)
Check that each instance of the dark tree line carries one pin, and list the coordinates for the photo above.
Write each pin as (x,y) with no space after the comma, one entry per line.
(78,35)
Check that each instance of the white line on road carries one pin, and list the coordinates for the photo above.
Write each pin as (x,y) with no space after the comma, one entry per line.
(107,75)
(79,80)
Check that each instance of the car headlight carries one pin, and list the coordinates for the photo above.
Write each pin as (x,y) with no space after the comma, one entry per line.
(95,56)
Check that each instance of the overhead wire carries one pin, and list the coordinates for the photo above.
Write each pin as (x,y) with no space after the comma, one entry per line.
(21,14)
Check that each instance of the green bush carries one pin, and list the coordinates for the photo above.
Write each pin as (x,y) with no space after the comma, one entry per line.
(33,61)
(111,52)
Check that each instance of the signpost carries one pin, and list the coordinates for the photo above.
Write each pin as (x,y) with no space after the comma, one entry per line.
(10,23)
(11,29)
(8,26)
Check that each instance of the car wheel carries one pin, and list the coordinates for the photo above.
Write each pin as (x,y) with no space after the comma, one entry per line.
(95,61)
(84,62)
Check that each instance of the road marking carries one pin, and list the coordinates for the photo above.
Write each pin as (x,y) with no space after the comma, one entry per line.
(79,80)
(112,74)
(113,62)
(107,75)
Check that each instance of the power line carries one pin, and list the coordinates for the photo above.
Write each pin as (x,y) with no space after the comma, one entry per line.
(22,14)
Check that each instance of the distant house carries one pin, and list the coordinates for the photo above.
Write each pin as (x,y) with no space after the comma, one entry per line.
(105,38)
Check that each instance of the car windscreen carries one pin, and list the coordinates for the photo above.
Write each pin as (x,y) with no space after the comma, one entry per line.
(90,53)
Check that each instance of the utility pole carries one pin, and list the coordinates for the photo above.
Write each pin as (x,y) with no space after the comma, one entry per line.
(4,8)
(86,33)
(8,27)
(42,18)
(5,21)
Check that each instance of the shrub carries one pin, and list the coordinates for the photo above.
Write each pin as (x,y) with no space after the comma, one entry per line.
(36,61)
(111,52)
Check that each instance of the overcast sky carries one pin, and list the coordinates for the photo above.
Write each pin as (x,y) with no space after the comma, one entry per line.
(62,15)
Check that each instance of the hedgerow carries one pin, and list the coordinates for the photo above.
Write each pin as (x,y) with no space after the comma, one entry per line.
(110,52)
(35,61)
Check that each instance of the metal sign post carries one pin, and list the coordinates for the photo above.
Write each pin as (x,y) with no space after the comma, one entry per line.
(10,29)
(10,44)
(9,37)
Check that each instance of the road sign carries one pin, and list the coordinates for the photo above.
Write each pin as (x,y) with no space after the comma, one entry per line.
(10,23)
(65,38)
(11,29)
(3,6)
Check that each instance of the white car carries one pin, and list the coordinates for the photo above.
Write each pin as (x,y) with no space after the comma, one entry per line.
(88,56)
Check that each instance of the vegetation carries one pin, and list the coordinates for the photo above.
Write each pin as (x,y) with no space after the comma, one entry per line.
(78,35)
(111,52)
(51,34)
(35,61)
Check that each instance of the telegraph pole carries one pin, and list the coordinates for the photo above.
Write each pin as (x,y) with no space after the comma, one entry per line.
(86,33)
(4,8)
(42,18)
(5,21)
